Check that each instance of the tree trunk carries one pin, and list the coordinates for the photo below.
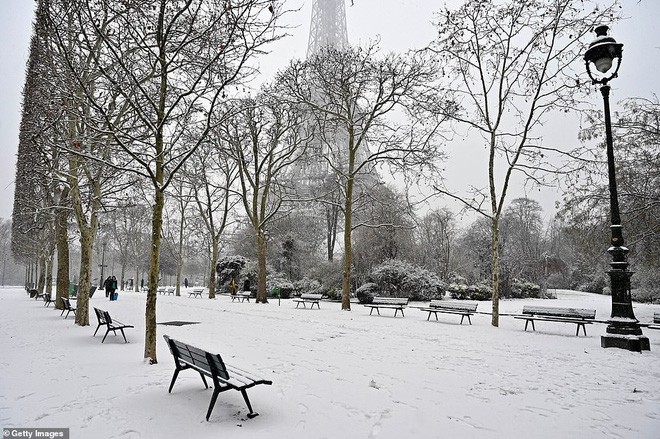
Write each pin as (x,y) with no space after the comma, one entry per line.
(495,269)
(42,274)
(261,257)
(85,282)
(62,233)
(348,224)
(154,262)
(179,262)
(49,275)
(214,260)
(348,249)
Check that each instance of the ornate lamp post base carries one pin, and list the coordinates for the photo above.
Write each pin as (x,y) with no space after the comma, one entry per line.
(636,343)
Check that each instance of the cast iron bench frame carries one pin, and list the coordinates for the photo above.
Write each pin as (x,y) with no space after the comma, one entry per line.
(48,299)
(66,306)
(395,303)
(224,377)
(196,292)
(312,298)
(464,309)
(580,316)
(112,325)
(656,321)
(241,296)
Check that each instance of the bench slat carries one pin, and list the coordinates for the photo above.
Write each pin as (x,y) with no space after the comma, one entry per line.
(389,301)
(560,312)
(458,306)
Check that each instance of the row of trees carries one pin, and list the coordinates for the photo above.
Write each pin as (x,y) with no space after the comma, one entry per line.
(130,103)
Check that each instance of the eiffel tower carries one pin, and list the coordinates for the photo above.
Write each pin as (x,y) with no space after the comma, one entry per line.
(319,174)
(327,29)
(328,26)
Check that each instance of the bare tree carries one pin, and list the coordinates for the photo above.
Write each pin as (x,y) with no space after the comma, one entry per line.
(162,67)
(350,93)
(265,138)
(211,180)
(436,235)
(508,66)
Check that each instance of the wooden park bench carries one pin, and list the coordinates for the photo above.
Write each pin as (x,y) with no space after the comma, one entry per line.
(224,377)
(170,291)
(464,309)
(579,316)
(66,306)
(196,292)
(160,290)
(48,299)
(312,298)
(241,296)
(656,321)
(111,325)
(395,303)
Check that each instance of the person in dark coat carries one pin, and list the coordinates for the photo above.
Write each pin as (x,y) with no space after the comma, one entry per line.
(113,288)
(185,282)
(107,286)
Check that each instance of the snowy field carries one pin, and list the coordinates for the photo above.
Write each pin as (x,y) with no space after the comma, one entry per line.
(335,374)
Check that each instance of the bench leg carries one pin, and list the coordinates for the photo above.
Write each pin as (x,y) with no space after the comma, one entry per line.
(252,414)
(214,397)
(176,374)
(527,323)
(204,379)
(462,317)
(469,320)
(106,334)
(124,335)
(317,305)
(97,330)
(297,303)
(584,329)
(372,310)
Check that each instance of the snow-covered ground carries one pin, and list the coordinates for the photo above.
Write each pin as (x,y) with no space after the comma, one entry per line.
(335,374)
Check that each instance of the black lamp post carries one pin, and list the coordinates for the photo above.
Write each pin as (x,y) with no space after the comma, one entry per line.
(623,330)
(102,264)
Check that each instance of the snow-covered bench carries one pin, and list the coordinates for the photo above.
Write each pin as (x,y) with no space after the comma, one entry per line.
(111,325)
(656,322)
(241,296)
(395,303)
(196,292)
(579,316)
(48,299)
(312,298)
(464,309)
(66,306)
(224,377)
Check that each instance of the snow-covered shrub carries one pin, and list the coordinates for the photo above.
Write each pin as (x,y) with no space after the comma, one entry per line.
(366,292)
(306,285)
(480,291)
(594,285)
(228,268)
(402,279)
(522,289)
